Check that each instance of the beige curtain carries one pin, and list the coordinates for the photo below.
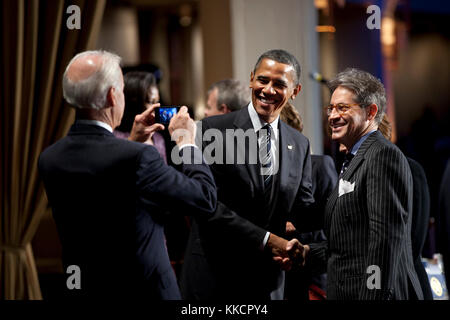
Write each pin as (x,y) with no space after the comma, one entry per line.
(36,47)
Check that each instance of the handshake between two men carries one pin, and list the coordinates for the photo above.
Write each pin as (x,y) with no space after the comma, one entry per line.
(287,253)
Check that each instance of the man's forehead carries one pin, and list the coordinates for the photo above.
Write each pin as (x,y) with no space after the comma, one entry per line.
(267,62)
(212,94)
(342,95)
(279,68)
(212,97)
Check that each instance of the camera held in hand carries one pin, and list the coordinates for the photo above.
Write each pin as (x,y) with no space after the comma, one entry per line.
(164,114)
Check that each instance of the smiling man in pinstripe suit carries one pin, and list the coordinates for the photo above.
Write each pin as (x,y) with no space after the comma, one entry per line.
(368,215)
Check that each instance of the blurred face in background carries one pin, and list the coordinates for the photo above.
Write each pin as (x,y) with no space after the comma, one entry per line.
(152,96)
(211,108)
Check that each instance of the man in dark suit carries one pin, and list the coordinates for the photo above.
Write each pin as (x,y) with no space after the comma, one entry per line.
(108,195)
(368,215)
(444,222)
(419,224)
(301,280)
(263,180)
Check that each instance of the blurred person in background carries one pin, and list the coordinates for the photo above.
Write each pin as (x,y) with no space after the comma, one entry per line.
(226,96)
(444,222)
(140,92)
(420,214)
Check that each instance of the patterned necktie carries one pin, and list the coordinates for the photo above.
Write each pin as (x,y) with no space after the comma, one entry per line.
(348,157)
(265,156)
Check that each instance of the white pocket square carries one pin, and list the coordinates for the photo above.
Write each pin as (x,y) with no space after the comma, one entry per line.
(345,187)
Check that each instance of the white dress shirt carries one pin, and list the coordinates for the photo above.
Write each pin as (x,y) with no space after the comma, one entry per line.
(258,123)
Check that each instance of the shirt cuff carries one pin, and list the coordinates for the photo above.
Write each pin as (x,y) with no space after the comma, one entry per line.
(187,145)
(266,238)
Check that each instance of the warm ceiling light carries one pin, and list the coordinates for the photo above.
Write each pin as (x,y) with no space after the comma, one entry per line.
(325,29)
(321,4)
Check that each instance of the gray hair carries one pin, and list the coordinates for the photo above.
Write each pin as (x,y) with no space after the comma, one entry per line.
(281,56)
(367,89)
(92,91)
(232,93)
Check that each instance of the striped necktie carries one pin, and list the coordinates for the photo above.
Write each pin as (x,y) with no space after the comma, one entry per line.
(265,156)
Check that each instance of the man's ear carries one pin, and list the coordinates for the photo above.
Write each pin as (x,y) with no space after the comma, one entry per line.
(297,89)
(252,76)
(373,110)
(224,109)
(111,97)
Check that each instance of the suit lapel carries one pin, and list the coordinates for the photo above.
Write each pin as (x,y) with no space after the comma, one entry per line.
(244,122)
(287,154)
(360,156)
(354,165)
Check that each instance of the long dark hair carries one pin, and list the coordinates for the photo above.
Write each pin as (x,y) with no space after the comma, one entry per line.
(137,84)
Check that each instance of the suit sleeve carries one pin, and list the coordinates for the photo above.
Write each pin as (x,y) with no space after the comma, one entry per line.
(191,191)
(318,256)
(225,221)
(389,199)
(325,179)
(236,228)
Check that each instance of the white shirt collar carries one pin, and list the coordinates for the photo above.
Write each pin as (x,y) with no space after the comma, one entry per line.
(96,123)
(258,123)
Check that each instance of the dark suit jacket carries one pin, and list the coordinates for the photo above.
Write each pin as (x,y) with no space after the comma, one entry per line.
(224,258)
(108,197)
(371,226)
(444,222)
(419,224)
(298,280)
(324,180)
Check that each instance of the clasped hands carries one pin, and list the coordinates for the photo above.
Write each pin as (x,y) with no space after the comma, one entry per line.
(286,253)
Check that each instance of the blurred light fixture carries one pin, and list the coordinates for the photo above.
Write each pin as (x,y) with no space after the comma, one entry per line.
(185,21)
(325,29)
(321,4)
(185,15)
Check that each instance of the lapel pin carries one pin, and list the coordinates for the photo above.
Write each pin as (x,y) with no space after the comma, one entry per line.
(290,147)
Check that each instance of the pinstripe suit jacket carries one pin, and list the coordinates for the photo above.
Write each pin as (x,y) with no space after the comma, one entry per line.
(371,225)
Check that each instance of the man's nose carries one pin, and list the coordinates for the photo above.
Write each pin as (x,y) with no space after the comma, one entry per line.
(333,115)
(268,89)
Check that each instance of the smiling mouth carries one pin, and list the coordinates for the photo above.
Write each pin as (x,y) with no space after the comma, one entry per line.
(266,101)
(335,127)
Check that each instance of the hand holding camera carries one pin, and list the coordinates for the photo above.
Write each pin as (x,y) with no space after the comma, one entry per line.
(144,125)
(182,128)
